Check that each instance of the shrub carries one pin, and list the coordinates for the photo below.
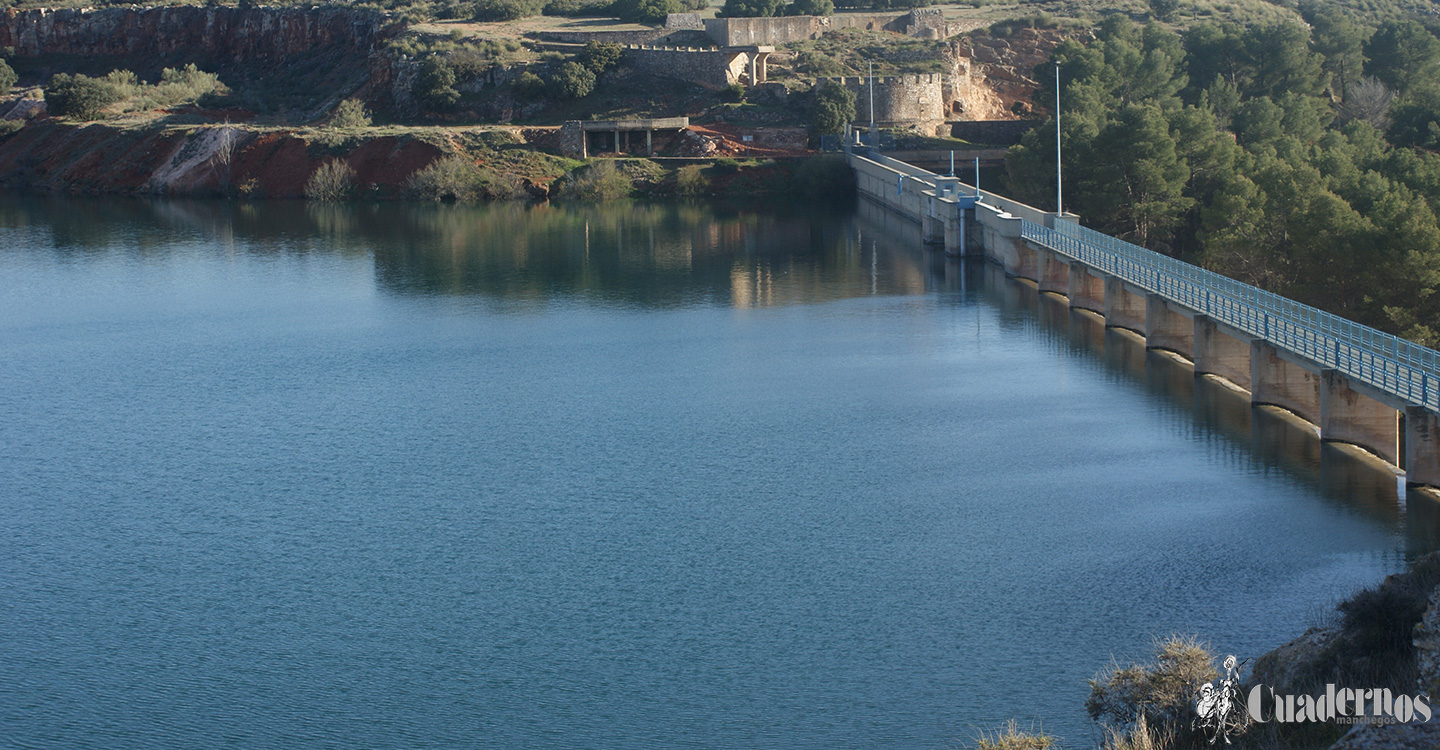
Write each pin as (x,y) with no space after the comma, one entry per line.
(833,105)
(735,92)
(645,11)
(576,8)
(572,81)
(506,10)
(601,181)
(1160,693)
(349,114)
(751,8)
(811,8)
(1011,737)
(456,178)
(10,127)
(528,86)
(726,166)
(333,181)
(7,76)
(185,85)
(79,96)
(434,87)
(599,57)
(690,181)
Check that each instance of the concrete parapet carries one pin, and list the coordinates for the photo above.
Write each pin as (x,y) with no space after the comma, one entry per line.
(1277,381)
(1422,447)
(1348,416)
(1123,308)
(1085,290)
(1167,329)
(1054,273)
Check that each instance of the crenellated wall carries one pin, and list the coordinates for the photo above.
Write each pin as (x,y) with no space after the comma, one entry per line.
(900,101)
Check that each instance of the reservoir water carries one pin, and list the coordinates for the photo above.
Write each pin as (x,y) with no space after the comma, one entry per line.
(281,476)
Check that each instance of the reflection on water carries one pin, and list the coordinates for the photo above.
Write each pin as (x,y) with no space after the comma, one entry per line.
(632,475)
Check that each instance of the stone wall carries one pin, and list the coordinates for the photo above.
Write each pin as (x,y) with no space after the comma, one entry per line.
(690,21)
(666,37)
(713,69)
(994,132)
(220,33)
(745,32)
(913,101)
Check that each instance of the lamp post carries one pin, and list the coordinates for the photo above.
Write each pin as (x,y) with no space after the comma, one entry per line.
(1059,194)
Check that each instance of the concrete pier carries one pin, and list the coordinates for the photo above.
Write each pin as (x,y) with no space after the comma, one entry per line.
(1278,381)
(1054,273)
(1167,329)
(1221,350)
(1349,416)
(1085,290)
(1123,308)
(1422,446)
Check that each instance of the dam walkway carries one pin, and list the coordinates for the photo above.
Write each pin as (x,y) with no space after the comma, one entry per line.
(1356,384)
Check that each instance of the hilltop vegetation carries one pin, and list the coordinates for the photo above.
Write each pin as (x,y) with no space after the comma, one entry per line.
(1301,162)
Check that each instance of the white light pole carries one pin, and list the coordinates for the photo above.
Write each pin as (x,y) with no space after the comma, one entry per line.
(872,106)
(1059,195)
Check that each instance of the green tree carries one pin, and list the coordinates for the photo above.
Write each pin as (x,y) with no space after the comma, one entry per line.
(751,8)
(645,11)
(1137,188)
(79,96)
(1415,120)
(1404,54)
(1340,41)
(7,76)
(810,8)
(571,81)
(528,86)
(599,57)
(1164,9)
(506,10)
(434,86)
(831,106)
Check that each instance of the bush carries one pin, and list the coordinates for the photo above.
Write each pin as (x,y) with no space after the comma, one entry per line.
(576,8)
(333,181)
(599,57)
(349,114)
(7,77)
(811,8)
(434,87)
(645,11)
(10,127)
(79,96)
(506,10)
(726,166)
(601,181)
(735,92)
(1159,694)
(572,81)
(528,86)
(1011,737)
(186,85)
(833,105)
(690,181)
(751,8)
(456,178)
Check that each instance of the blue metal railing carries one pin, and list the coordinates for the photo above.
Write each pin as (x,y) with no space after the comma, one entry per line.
(1401,368)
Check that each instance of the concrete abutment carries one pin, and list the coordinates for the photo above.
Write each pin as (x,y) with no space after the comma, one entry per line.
(1123,308)
(1167,329)
(1277,381)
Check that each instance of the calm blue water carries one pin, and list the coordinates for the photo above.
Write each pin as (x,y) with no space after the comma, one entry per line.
(635,476)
